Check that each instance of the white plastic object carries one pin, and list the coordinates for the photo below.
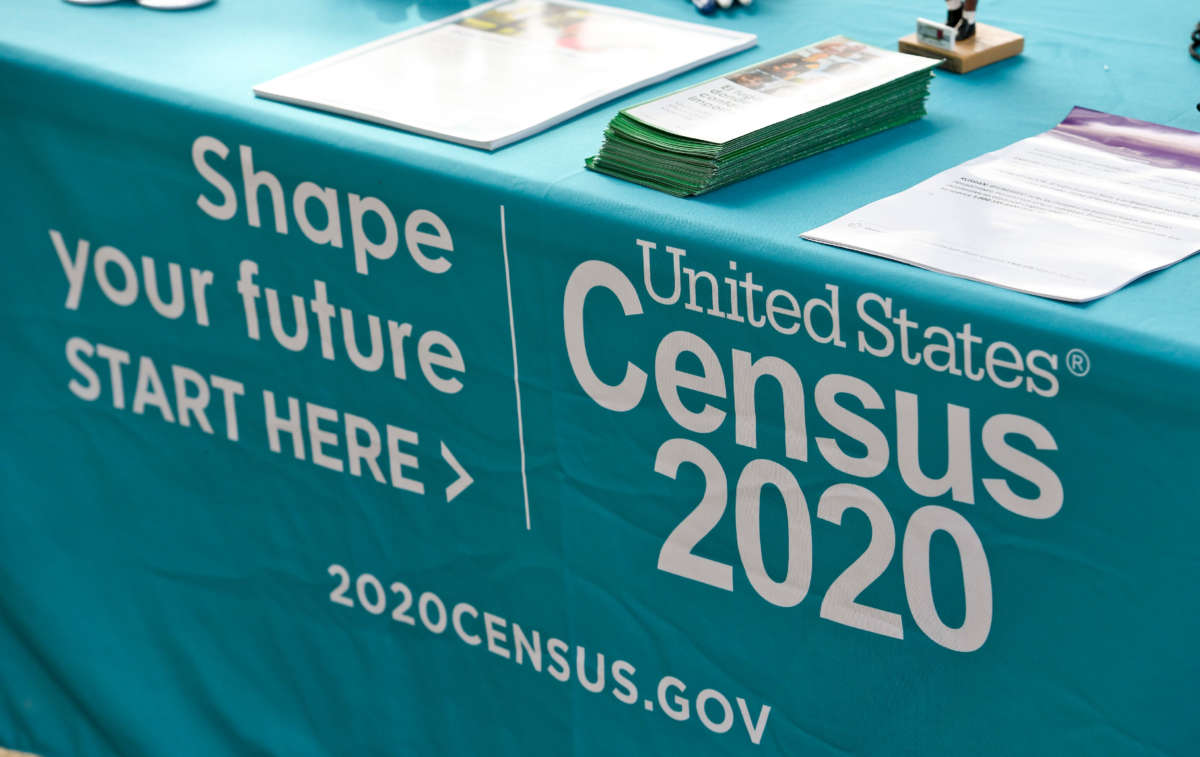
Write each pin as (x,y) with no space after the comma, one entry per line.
(172,5)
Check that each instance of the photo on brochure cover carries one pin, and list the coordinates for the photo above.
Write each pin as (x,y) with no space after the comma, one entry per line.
(567,27)
(528,18)
(787,74)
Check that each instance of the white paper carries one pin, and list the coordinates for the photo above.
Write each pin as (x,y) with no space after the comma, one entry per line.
(1072,214)
(775,90)
(504,70)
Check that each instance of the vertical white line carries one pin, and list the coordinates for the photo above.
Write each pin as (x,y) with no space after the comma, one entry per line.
(512,323)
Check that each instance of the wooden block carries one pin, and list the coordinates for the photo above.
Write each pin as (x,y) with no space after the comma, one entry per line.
(990,44)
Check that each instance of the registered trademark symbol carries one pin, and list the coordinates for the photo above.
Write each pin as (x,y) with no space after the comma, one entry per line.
(1078,362)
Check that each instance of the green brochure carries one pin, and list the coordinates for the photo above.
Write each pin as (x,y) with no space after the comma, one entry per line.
(769,114)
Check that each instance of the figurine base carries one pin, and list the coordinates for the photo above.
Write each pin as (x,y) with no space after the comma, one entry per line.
(989,45)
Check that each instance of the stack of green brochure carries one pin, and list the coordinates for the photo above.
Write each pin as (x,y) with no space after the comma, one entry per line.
(755,119)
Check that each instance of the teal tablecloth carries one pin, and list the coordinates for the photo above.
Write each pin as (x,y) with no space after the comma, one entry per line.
(417,560)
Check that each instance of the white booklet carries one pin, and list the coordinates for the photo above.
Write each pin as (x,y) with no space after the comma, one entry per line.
(1073,214)
(504,70)
(752,98)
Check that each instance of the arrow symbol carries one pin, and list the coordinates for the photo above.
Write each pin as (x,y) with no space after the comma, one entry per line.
(464,478)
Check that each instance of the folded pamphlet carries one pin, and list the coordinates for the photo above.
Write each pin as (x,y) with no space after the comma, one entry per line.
(504,70)
(763,116)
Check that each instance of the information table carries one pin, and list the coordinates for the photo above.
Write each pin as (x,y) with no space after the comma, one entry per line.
(322,438)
